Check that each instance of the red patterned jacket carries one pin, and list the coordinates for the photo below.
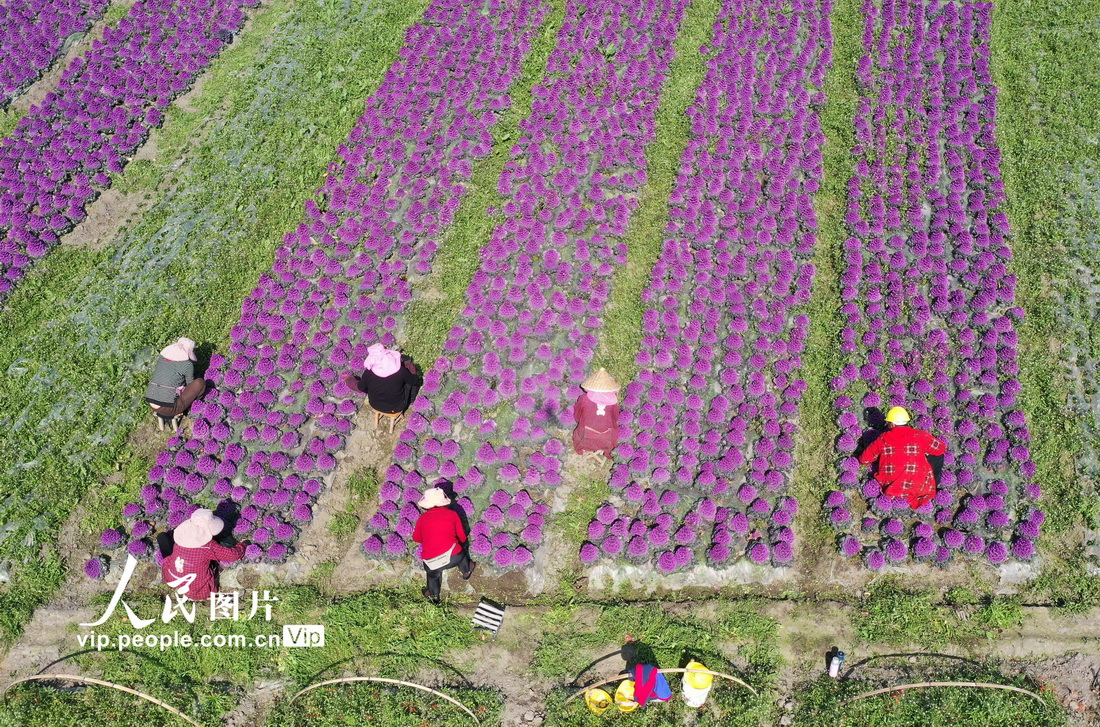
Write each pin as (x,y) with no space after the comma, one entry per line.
(190,570)
(902,465)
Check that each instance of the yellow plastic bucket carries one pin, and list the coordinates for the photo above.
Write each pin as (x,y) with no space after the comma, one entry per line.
(696,685)
(624,696)
(597,700)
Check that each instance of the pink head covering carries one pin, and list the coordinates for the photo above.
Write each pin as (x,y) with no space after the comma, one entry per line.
(199,529)
(602,399)
(381,361)
(182,350)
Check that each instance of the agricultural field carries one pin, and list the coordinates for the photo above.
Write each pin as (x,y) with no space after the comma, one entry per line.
(771,221)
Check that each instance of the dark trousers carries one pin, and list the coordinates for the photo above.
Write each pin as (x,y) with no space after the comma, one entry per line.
(183,402)
(435,577)
(935,461)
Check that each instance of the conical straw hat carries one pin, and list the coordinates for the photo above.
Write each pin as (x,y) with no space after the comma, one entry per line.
(600,381)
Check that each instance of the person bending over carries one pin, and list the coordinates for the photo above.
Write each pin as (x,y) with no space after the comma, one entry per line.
(174,387)
(906,459)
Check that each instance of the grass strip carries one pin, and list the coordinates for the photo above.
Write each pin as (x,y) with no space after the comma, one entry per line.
(891,614)
(393,706)
(442,294)
(382,633)
(621,336)
(1043,63)
(80,333)
(814,475)
(819,702)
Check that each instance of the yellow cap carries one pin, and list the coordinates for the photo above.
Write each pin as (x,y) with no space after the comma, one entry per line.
(698,680)
(624,696)
(897,415)
(597,700)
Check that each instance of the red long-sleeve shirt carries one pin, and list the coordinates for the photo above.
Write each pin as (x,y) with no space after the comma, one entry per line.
(438,529)
(188,569)
(595,432)
(902,465)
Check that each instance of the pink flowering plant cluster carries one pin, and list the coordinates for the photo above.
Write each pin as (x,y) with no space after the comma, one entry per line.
(708,429)
(32,35)
(494,410)
(928,301)
(269,437)
(64,150)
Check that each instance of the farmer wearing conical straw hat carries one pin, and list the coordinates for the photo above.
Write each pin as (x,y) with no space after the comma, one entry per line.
(903,454)
(597,415)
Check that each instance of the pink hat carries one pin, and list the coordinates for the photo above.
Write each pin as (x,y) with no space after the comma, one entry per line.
(434,497)
(182,350)
(381,361)
(198,530)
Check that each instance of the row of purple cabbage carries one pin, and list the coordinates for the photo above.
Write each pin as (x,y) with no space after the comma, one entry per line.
(267,441)
(709,426)
(497,404)
(32,35)
(65,149)
(929,305)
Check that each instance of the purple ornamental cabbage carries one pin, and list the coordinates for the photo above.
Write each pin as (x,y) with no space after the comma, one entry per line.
(503,557)
(896,550)
(850,546)
(759,553)
(96,567)
(924,548)
(372,546)
(111,538)
(1023,548)
(139,548)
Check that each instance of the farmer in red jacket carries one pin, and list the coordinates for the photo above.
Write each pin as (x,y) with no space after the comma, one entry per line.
(597,415)
(191,568)
(903,454)
(439,531)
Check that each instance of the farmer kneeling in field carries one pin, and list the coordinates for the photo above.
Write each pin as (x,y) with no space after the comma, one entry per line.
(597,415)
(441,536)
(192,566)
(907,458)
(174,386)
(389,384)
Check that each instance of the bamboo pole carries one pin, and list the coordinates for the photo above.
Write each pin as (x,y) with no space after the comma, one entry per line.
(384,680)
(662,671)
(923,685)
(112,685)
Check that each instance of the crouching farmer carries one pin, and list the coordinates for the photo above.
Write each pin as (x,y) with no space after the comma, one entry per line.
(192,566)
